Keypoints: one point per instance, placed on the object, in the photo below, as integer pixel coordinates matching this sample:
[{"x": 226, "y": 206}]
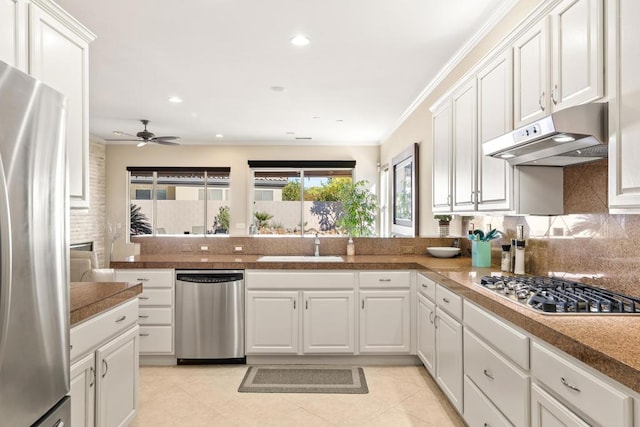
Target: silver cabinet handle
[
  {"x": 143, "y": 316},
  {"x": 120, "y": 319},
  {"x": 424, "y": 286},
  {"x": 306, "y": 305},
  {"x": 144, "y": 335},
  {"x": 431, "y": 320},
  {"x": 449, "y": 200},
  {"x": 143, "y": 297},
  {"x": 568, "y": 385},
  {"x": 92, "y": 372},
  {"x": 59, "y": 423},
  {"x": 384, "y": 280},
  {"x": 553, "y": 95},
  {"x": 142, "y": 280},
  {"x": 294, "y": 304},
  {"x": 487, "y": 425},
  {"x": 446, "y": 300},
  {"x": 105, "y": 368},
  {"x": 488, "y": 374},
  {"x": 363, "y": 303},
  {"x": 540, "y": 101}
]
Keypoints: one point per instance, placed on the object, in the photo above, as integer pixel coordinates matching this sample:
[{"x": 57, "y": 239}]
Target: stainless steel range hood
[{"x": 574, "y": 135}]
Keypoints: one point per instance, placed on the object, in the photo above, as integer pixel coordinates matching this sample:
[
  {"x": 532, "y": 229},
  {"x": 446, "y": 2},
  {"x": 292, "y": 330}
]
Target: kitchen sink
[{"x": 300, "y": 258}]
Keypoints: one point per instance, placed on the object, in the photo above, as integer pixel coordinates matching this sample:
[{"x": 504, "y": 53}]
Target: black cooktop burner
[{"x": 555, "y": 295}]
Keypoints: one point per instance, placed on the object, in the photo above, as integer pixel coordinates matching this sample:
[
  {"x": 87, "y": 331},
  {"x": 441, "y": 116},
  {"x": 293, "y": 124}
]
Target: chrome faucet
[{"x": 316, "y": 242}]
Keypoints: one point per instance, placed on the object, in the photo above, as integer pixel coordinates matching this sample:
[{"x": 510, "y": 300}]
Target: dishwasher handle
[{"x": 210, "y": 277}]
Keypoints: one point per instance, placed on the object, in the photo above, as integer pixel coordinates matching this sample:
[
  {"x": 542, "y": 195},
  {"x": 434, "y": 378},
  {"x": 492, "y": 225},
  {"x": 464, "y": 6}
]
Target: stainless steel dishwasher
[{"x": 210, "y": 316}]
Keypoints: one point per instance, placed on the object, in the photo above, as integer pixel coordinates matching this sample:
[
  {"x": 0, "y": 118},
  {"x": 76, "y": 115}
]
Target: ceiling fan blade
[
  {"x": 164, "y": 142},
  {"x": 166, "y": 138},
  {"x": 123, "y": 140}
]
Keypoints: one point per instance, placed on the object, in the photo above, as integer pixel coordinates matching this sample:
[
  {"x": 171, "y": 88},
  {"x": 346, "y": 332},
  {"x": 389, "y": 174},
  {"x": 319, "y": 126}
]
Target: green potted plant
[
  {"x": 359, "y": 209},
  {"x": 221, "y": 221},
  {"x": 138, "y": 221},
  {"x": 443, "y": 224},
  {"x": 262, "y": 219}
]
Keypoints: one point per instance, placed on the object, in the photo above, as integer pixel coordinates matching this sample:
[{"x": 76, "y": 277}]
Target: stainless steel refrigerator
[{"x": 34, "y": 306}]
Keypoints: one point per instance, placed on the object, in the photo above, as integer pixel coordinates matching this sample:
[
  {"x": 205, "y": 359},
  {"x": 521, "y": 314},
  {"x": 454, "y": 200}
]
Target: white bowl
[{"x": 443, "y": 251}]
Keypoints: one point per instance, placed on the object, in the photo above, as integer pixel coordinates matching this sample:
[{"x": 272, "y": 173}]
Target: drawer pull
[
  {"x": 143, "y": 316},
  {"x": 142, "y": 280},
  {"x": 144, "y": 335},
  {"x": 424, "y": 286},
  {"x": 92, "y": 372},
  {"x": 143, "y": 297},
  {"x": 487, "y": 425},
  {"x": 105, "y": 368},
  {"x": 384, "y": 280},
  {"x": 446, "y": 300},
  {"x": 570, "y": 386},
  {"x": 488, "y": 374},
  {"x": 431, "y": 319},
  {"x": 120, "y": 319}
]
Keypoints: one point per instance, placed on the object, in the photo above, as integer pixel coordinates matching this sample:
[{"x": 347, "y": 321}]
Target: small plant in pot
[
  {"x": 443, "y": 224},
  {"x": 221, "y": 221}
]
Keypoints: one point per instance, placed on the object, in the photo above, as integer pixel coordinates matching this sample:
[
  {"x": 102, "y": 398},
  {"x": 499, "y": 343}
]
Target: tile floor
[{"x": 207, "y": 396}]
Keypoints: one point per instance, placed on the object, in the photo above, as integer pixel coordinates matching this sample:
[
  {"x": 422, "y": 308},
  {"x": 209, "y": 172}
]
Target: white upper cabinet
[
  {"x": 59, "y": 57},
  {"x": 442, "y": 158},
  {"x": 11, "y": 33},
  {"x": 558, "y": 63},
  {"x": 495, "y": 118},
  {"x": 624, "y": 103},
  {"x": 531, "y": 75},
  {"x": 577, "y": 53},
  {"x": 465, "y": 144}
]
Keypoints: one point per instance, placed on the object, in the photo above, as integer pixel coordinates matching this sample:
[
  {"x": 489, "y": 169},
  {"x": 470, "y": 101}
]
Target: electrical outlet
[
  {"x": 238, "y": 249},
  {"x": 186, "y": 247},
  {"x": 204, "y": 248},
  {"x": 407, "y": 249}
]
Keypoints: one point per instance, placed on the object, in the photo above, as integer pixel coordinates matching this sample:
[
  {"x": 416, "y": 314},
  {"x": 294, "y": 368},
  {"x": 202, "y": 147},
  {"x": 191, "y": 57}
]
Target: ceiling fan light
[
  {"x": 300, "y": 40},
  {"x": 141, "y": 144}
]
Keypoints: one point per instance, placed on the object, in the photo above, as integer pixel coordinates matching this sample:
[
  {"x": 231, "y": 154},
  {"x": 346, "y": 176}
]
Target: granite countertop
[
  {"x": 606, "y": 343},
  {"x": 91, "y": 298}
]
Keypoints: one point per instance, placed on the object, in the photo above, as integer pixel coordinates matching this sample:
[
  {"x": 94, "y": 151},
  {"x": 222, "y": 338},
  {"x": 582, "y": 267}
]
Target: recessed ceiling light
[
  {"x": 303, "y": 137},
  {"x": 278, "y": 88},
  {"x": 219, "y": 135},
  {"x": 300, "y": 40},
  {"x": 175, "y": 99},
  {"x": 315, "y": 117},
  {"x": 564, "y": 138},
  {"x": 507, "y": 155},
  {"x": 291, "y": 133},
  {"x": 339, "y": 120},
  {"x": 117, "y": 132}
]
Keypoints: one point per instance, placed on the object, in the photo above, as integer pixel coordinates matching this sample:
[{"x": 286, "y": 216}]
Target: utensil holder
[{"x": 480, "y": 254}]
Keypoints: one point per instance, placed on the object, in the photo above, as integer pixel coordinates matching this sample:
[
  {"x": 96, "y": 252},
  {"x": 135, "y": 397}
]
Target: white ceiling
[{"x": 367, "y": 63}]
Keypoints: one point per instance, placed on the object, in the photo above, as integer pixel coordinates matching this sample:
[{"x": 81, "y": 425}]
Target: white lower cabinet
[
  {"x": 449, "y": 357},
  {"x": 480, "y": 411},
  {"x": 548, "y": 412},
  {"x": 104, "y": 368},
  {"x": 329, "y": 322},
  {"x": 427, "y": 333},
  {"x": 272, "y": 322},
  {"x": 385, "y": 321}
]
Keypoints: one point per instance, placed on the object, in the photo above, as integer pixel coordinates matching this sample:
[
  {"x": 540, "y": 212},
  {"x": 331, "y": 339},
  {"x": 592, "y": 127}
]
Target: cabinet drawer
[
  {"x": 478, "y": 410},
  {"x": 156, "y": 297},
  {"x": 156, "y": 339},
  {"x": 385, "y": 279},
  {"x": 427, "y": 287},
  {"x": 501, "y": 336},
  {"x": 296, "y": 280},
  {"x": 597, "y": 399},
  {"x": 500, "y": 381},
  {"x": 90, "y": 334},
  {"x": 149, "y": 278},
  {"x": 155, "y": 316},
  {"x": 449, "y": 301}
]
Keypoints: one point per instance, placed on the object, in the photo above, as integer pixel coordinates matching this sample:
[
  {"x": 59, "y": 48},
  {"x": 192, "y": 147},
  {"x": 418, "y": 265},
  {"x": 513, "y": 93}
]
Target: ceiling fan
[{"x": 145, "y": 137}]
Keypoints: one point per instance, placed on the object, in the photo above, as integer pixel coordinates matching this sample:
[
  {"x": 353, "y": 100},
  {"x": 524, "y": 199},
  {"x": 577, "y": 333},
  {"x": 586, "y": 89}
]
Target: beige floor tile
[{"x": 396, "y": 418}]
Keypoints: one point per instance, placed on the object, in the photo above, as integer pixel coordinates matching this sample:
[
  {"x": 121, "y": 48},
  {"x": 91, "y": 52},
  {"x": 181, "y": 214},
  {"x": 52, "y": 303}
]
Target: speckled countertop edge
[
  {"x": 88, "y": 299},
  {"x": 609, "y": 344}
]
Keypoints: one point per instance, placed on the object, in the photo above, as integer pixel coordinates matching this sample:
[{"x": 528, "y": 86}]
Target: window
[
  {"x": 179, "y": 200},
  {"x": 298, "y": 198}
]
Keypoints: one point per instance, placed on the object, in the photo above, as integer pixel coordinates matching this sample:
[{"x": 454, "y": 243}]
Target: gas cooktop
[{"x": 552, "y": 295}]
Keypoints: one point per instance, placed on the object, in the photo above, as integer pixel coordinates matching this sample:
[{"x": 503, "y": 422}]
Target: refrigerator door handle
[{"x": 5, "y": 262}]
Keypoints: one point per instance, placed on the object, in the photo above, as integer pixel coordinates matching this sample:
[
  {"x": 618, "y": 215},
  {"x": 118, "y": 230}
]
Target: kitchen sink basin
[{"x": 299, "y": 258}]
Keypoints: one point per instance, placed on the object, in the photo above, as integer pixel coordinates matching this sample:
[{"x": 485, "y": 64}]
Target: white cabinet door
[
  {"x": 12, "y": 33},
  {"x": 272, "y": 322},
  {"x": 329, "y": 321},
  {"x": 59, "y": 57},
  {"x": 623, "y": 69},
  {"x": 495, "y": 118},
  {"x": 385, "y": 321},
  {"x": 427, "y": 333},
  {"x": 548, "y": 412},
  {"x": 531, "y": 99},
  {"x": 82, "y": 391},
  {"x": 577, "y": 53},
  {"x": 442, "y": 159},
  {"x": 465, "y": 136},
  {"x": 449, "y": 357},
  {"x": 117, "y": 380}
]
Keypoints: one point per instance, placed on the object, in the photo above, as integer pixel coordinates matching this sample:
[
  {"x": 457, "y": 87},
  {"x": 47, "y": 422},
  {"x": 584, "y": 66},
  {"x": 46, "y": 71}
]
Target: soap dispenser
[{"x": 351, "y": 248}]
